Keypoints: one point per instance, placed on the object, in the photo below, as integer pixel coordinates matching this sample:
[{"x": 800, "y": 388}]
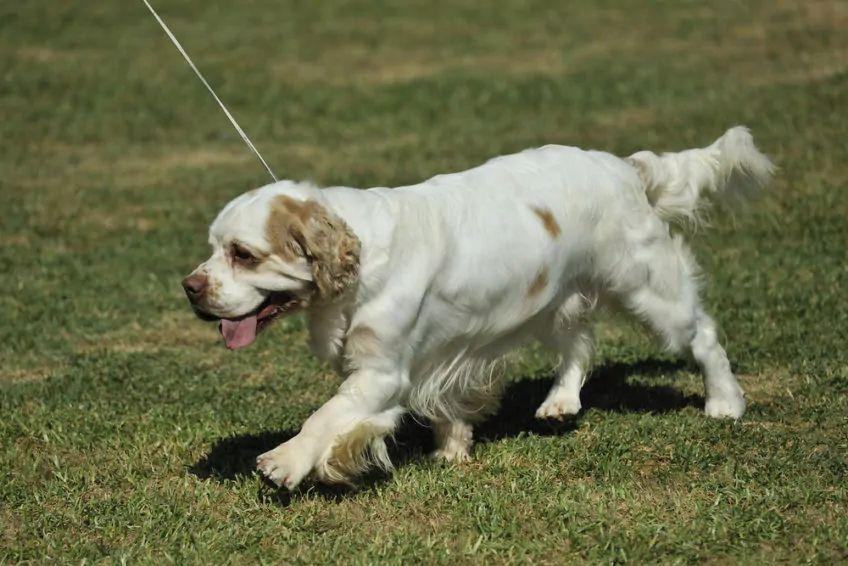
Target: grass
[{"x": 127, "y": 431}]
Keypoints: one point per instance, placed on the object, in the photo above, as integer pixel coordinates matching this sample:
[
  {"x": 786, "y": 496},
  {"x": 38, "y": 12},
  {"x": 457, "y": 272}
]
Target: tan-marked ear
[
  {"x": 332, "y": 250},
  {"x": 307, "y": 229}
]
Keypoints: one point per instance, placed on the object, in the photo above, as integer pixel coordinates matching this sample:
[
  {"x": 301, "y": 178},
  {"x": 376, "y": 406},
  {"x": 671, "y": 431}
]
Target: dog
[{"x": 415, "y": 294}]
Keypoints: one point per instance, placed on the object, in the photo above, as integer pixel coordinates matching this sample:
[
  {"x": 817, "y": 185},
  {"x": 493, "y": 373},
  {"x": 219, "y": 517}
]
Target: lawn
[{"x": 127, "y": 431}]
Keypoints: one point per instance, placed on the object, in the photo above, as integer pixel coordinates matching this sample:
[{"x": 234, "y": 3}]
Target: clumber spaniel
[{"x": 415, "y": 293}]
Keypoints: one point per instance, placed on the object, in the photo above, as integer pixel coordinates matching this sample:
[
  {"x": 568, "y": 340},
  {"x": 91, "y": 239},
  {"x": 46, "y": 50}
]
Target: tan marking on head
[
  {"x": 548, "y": 220},
  {"x": 305, "y": 229},
  {"x": 539, "y": 283},
  {"x": 286, "y": 219}
]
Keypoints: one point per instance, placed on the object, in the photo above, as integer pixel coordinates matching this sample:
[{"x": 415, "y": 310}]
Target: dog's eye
[{"x": 242, "y": 255}]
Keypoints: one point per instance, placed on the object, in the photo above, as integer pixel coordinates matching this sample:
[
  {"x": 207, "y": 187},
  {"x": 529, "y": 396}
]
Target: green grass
[{"x": 126, "y": 429}]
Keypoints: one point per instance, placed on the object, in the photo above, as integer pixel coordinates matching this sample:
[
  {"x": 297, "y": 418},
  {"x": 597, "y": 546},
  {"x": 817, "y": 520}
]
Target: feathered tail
[{"x": 677, "y": 183}]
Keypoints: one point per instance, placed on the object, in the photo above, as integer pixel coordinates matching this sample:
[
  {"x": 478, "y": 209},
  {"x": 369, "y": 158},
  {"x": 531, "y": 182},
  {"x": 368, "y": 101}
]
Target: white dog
[{"x": 415, "y": 293}]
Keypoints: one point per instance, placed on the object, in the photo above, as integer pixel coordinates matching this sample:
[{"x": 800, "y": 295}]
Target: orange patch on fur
[
  {"x": 361, "y": 342},
  {"x": 362, "y": 332},
  {"x": 287, "y": 220},
  {"x": 539, "y": 283},
  {"x": 548, "y": 221},
  {"x": 305, "y": 229}
]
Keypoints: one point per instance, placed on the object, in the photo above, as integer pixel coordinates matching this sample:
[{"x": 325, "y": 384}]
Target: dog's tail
[{"x": 677, "y": 183}]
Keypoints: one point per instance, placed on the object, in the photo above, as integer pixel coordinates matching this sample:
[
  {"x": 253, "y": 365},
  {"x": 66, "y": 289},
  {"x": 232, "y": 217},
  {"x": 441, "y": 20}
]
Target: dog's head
[{"x": 275, "y": 250}]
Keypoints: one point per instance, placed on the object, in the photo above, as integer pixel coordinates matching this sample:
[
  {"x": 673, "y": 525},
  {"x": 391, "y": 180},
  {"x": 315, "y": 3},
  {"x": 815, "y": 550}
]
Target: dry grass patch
[
  {"x": 189, "y": 158},
  {"x": 171, "y": 330},
  {"x": 10, "y": 528},
  {"x": 45, "y": 55},
  {"x": 770, "y": 387},
  {"x": 630, "y": 117},
  {"x": 139, "y": 164},
  {"x": 15, "y": 240},
  {"x": 28, "y": 368}
]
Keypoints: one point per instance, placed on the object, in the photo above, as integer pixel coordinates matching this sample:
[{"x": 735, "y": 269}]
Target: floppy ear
[{"x": 332, "y": 250}]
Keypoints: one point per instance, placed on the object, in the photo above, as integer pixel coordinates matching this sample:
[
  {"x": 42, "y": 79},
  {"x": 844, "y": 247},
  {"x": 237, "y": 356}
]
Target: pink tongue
[{"x": 238, "y": 333}]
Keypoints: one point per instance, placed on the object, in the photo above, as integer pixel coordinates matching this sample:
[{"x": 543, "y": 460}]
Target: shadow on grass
[{"x": 606, "y": 390}]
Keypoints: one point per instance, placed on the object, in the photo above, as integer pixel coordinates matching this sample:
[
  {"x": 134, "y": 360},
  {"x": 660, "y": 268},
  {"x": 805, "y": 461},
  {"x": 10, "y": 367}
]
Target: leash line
[{"x": 191, "y": 64}]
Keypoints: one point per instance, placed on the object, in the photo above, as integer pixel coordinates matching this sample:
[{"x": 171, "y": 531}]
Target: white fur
[
  {"x": 675, "y": 182},
  {"x": 448, "y": 283}
]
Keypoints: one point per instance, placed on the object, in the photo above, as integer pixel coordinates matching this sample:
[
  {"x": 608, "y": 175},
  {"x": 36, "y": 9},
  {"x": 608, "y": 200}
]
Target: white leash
[{"x": 209, "y": 88}]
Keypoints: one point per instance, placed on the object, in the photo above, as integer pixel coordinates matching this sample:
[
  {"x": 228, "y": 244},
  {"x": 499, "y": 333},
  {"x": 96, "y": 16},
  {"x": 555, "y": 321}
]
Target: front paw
[
  {"x": 284, "y": 465},
  {"x": 452, "y": 454},
  {"x": 558, "y": 408},
  {"x": 731, "y": 406}
]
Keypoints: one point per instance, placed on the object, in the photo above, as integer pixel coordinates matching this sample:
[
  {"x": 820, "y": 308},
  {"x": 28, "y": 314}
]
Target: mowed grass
[{"x": 127, "y": 431}]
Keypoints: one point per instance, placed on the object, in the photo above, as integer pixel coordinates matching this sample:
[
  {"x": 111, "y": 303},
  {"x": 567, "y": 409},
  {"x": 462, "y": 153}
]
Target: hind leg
[
  {"x": 725, "y": 397},
  {"x": 453, "y": 440},
  {"x": 453, "y": 430},
  {"x": 575, "y": 345},
  {"x": 668, "y": 299}
]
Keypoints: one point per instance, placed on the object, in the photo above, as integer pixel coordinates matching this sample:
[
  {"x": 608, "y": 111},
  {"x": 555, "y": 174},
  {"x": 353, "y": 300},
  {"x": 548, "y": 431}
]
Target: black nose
[{"x": 195, "y": 286}]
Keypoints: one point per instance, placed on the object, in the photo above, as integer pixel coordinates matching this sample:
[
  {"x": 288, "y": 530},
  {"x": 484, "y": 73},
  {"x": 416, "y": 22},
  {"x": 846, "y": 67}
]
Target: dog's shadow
[{"x": 606, "y": 390}]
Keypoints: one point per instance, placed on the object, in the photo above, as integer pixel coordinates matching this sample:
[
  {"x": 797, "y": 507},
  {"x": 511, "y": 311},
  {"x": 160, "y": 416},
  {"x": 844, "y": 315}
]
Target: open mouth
[{"x": 240, "y": 332}]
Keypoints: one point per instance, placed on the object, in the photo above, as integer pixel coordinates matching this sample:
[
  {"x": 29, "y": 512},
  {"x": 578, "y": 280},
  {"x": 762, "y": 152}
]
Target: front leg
[{"x": 344, "y": 437}]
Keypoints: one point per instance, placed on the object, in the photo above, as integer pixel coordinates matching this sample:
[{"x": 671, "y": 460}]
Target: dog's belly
[{"x": 462, "y": 378}]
